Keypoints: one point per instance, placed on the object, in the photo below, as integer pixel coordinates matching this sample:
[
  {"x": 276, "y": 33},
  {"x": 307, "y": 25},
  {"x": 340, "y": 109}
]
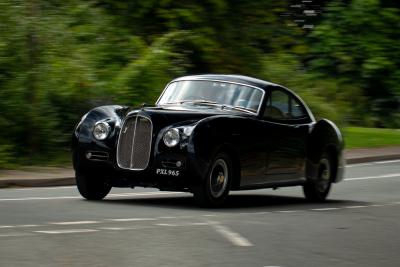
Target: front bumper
[{"x": 166, "y": 171}]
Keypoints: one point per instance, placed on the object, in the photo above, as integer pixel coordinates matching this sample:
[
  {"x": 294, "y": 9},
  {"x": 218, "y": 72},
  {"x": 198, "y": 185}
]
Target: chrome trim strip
[
  {"x": 222, "y": 81},
  {"x": 133, "y": 143},
  {"x": 151, "y": 140}
]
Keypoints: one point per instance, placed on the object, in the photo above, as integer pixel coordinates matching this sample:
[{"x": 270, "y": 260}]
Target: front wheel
[
  {"x": 214, "y": 189},
  {"x": 317, "y": 190},
  {"x": 92, "y": 187}
]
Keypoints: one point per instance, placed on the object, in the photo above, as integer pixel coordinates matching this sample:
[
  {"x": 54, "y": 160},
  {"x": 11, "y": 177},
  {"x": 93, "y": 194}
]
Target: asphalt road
[{"x": 358, "y": 226}]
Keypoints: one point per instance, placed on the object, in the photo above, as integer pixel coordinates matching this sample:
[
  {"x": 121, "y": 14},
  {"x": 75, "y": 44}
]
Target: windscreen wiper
[
  {"x": 239, "y": 108},
  {"x": 213, "y": 103},
  {"x": 198, "y": 101}
]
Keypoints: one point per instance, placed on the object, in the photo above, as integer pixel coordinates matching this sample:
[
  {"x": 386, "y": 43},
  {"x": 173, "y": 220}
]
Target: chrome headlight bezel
[
  {"x": 172, "y": 137},
  {"x": 101, "y": 130}
]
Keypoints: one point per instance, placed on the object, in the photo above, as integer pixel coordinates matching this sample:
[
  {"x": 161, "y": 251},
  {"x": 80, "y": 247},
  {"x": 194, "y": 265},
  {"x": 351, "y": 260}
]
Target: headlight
[
  {"x": 171, "y": 137},
  {"x": 101, "y": 130}
]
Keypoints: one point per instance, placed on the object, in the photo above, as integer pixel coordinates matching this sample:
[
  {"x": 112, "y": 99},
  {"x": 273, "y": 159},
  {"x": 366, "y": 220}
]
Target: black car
[{"x": 209, "y": 134}]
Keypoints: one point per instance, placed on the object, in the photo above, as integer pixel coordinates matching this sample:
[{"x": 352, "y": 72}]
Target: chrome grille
[{"x": 134, "y": 144}]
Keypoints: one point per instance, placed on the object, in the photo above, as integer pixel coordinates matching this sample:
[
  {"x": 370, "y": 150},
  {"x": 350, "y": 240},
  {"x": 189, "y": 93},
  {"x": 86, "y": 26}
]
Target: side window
[
  {"x": 277, "y": 106},
  {"x": 297, "y": 110},
  {"x": 282, "y": 106}
]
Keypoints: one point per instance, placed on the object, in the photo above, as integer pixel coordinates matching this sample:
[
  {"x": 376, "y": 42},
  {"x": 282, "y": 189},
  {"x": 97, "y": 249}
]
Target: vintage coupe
[{"x": 209, "y": 134}]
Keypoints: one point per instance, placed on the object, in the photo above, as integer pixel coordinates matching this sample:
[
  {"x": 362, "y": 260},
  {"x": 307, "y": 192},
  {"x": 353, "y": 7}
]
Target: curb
[
  {"x": 67, "y": 181},
  {"x": 372, "y": 158},
  {"x": 47, "y": 182}
]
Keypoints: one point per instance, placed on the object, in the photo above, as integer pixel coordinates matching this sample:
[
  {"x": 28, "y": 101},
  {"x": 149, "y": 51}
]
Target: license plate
[{"x": 167, "y": 172}]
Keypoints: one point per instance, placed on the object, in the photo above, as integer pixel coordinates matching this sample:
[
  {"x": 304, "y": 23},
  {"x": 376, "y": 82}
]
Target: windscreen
[{"x": 223, "y": 93}]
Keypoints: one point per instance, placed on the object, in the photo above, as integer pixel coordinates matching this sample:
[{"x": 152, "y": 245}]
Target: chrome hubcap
[{"x": 218, "y": 178}]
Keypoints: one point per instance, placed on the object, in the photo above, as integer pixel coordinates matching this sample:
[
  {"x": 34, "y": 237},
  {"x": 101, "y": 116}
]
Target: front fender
[
  {"x": 83, "y": 137},
  {"x": 214, "y": 134}
]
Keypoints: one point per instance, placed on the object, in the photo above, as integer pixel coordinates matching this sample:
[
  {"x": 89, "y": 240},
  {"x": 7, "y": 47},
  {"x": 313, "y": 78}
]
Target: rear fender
[{"x": 325, "y": 137}]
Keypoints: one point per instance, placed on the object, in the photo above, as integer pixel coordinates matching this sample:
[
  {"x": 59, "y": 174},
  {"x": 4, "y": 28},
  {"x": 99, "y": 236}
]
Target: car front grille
[{"x": 134, "y": 144}]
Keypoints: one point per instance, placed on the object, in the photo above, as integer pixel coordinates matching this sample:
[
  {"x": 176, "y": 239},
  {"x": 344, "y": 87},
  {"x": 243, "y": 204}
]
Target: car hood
[{"x": 163, "y": 116}]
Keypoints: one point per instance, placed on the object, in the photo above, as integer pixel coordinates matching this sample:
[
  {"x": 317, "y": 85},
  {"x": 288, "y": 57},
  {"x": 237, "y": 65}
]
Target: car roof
[
  {"x": 246, "y": 80},
  {"x": 230, "y": 78}
]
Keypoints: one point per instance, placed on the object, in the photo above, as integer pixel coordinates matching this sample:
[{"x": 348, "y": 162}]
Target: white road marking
[
  {"x": 28, "y": 225},
  {"x": 355, "y": 207},
  {"x": 15, "y": 235},
  {"x": 19, "y": 226},
  {"x": 73, "y": 222},
  {"x": 181, "y": 224},
  {"x": 198, "y": 223},
  {"x": 387, "y": 162},
  {"x": 144, "y": 194},
  {"x": 188, "y": 217},
  {"x": 41, "y": 188},
  {"x": 79, "y": 197},
  {"x": 287, "y": 211},
  {"x": 235, "y": 238},
  {"x": 167, "y": 224},
  {"x": 253, "y": 213},
  {"x": 66, "y": 231},
  {"x": 392, "y": 175},
  {"x": 372, "y": 163},
  {"x": 359, "y": 165},
  {"x": 132, "y": 219},
  {"x": 117, "y": 228},
  {"x": 325, "y": 209},
  {"x": 38, "y": 198}
]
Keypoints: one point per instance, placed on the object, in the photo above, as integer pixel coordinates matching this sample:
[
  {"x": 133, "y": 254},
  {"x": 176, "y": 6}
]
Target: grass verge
[{"x": 358, "y": 137}]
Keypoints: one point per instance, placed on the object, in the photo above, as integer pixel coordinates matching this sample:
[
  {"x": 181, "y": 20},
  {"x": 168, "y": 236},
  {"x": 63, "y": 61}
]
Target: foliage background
[{"x": 59, "y": 58}]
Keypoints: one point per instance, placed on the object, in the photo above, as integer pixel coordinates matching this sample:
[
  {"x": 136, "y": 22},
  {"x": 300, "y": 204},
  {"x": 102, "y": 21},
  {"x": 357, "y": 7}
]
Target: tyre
[
  {"x": 317, "y": 190},
  {"x": 92, "y": 187},
  {"x": 215, "y": 187}
]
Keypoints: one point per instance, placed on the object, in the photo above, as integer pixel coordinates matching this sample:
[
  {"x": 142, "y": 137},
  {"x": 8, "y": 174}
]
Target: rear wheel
[
  {"x": 318, "y": 189},
  {"x": 92, "y": 187},
  {"x": 215, "y": 187}
]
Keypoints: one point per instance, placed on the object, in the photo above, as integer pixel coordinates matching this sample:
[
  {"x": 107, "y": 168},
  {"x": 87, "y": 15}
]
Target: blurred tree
[
  {"x": 142, "y": 79},
  {"x": 34, "y": 38},
  {"x": 60, "y": 58},
  {"x": 327, "y": 98},
  {"x": 226, "y": 36},
  {"x": 359, "y": 43},
  {"x": 57, "y": 60}
]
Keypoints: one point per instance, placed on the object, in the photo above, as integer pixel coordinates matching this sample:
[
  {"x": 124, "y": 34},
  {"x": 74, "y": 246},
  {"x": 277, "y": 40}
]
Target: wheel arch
[
  {"x": 325, "y": 137},
  {"x": 214, "y": 135},
  {"x": 82, "y": 137}
]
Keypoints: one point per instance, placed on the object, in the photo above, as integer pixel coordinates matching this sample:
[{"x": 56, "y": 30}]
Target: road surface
[{"x": 358, "y": 226}]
